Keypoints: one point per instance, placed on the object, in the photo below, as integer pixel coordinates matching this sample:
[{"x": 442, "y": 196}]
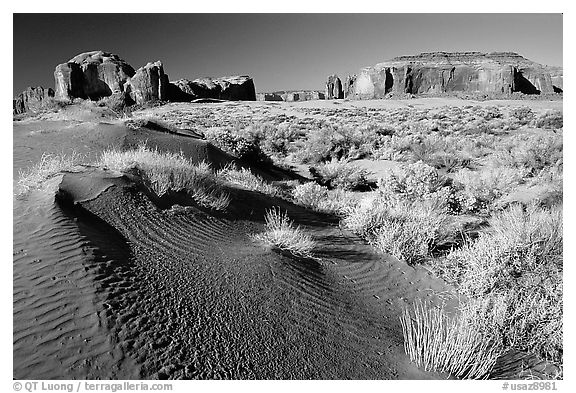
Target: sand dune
[{"x": 206, "y": 302}]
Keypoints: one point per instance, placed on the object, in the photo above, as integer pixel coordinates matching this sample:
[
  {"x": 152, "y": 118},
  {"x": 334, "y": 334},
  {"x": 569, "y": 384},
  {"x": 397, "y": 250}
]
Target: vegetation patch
[
  {"x": 281, "y": 233},
  {"x": 164, "y": 172},
  {"x": 464, "y": 346},
  {"x": 48, "y": 166}
]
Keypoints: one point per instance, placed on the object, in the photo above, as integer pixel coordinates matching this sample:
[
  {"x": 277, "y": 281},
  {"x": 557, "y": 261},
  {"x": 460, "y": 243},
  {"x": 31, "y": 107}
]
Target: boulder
[
  {"x": 442, "y": 72},
  {"x": 334, "y": 88},
  {"x": 232, "y": 88},
  {"x": 91, "y": 75},
  {"x": 149, "y": 83},
  {"x": 30, "y": 99}
]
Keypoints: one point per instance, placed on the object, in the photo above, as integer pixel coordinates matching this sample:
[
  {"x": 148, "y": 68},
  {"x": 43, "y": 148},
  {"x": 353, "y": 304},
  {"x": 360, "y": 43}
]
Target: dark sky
[{"x": 280, "y": 51}]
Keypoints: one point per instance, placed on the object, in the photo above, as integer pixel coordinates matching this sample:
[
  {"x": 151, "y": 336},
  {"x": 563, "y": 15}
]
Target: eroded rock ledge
[{"x": 443, "y": 72}]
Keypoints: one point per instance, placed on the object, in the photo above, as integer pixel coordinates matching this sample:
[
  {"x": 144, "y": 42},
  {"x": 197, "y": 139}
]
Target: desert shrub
[
  {"x": 322, "y": 199},
  {"x": 408, "y": 230},
  {"x": 479, "y": 189},
  {"x": 165, "y": 172},
  {"x": 465, "y": 346},
  {"x": 442, "y": 152},
  {"x": 274, "y": 140},
  {"x": 232, "y": 142},
  {"x": 551, "y": 120},
  {"x": 333, "y": 142},
  {"x": 245, "y": 178},
  {"x": 523, "y": 114},
  {"x": 281, "y": 233},
  {"x": 394, "y": 147},
  {"x": 533, "y": 152},
  {"x": 413, "y": 182},
  {"x": 517, "y": 263},
  {"x": 48, "y": 166},
  {"x": 341, "y": 174}
]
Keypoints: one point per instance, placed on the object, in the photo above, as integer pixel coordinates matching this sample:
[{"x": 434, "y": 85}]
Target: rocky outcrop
[
  {"x": 149, "y": 83},
  {"x": 91, "y": 75},
  {"x": 30, "y": 99},
  {"x": 232, "y": 88},
  {"x": 97, "y": 74},
  {"x": 349, "y": 85},
  {"x": 442, "y": 72},
  {"x": 557, "y": 77},
  {"x": 290, "y": 96},
  {"x": 334, "y": 88}
]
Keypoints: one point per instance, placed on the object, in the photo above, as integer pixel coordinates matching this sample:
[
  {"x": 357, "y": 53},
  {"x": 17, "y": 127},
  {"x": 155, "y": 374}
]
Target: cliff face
[
  {"x": 290, "y": 96},
  {"x": 97, "y": 74},
  {"x": 441, "y": 72},
  {"x": 30, "y": 99},
  {"x": 91, "y": 75}
]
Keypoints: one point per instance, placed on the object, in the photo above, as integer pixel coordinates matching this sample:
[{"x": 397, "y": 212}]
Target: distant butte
[{"x": 444, "y": 72}]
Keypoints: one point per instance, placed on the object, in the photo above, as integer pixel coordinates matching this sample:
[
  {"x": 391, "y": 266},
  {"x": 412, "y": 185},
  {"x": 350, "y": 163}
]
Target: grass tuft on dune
[
  {"x": 48, "y": 166},
  {"x": 245, "y": 178},
  {"x": 167, "y": 172},
  {"x": 281, "y": 233},
  {"x": 465, "y": 346}
]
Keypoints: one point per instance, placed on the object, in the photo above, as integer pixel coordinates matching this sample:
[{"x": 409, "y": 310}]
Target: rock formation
[
  {"x": 349, "y": 85},
  {"x": 149, "y": 83},
  {"x": 441, "y": 72},
  {"x": 91, "y": 75},
  {"x": 30, "y": 99},
  {"x": 290, "y": 96},
  {"x": 233, "y": 88},
  {"x": 557, "y": 76},
  {"x": 334, "y": 88},
  {"x": 97, "y": 74}
]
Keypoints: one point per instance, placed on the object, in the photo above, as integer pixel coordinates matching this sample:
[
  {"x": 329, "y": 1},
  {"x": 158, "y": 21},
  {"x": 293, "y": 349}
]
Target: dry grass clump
[
  {"x": 517, "y": 263},
  {"x": 465, "y": 346},
  {"x": 48, "y": 166},
  {"x": 281, "y": 233},
  {"x": 167, "y": 172},
  {"x": 245, "y": 178}
]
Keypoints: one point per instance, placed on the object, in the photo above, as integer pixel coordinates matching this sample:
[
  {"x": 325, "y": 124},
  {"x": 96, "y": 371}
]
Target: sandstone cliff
[
  {"x": 30, "y": 99},
  {"x": 97, "y": 74},
  {"x": 441, "y": 72},
  {"x": 334, "y": 88},
  {"x": 149, "y": 83}
]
